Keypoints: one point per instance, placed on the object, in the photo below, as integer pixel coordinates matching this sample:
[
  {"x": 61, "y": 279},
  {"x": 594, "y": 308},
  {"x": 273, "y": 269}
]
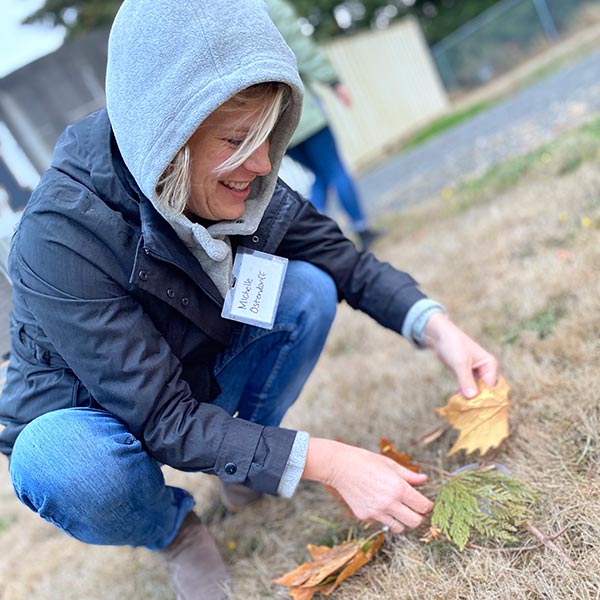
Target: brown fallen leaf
[
  {"x": 482, "y": 420},
  {"x": 318, "y": 552},
  {"x": 360, "y": 560},
  {"x": 298, "y": 593},
  {"x": 329, "y": 567},
  {"x": 402, "y": 458},
  {"x": 309, "y": 574}
]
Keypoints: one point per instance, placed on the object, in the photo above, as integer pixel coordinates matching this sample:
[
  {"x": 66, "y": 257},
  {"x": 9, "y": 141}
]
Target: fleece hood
[{"x": 171, "y": 63}]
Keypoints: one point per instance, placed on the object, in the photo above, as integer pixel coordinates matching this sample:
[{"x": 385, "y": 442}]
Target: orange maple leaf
[
  {"x": 312, "y": 573},
  {"x": 482, "y": 420},
  {"x": 299, "y": 593},
  {"x": 402, "y": 458},
  {"x": 360, "y": 559},
  {"x": 329, "y": 567}
]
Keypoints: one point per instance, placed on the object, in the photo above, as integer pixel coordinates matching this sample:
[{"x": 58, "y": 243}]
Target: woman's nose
[{"x": 259, "y": 162}]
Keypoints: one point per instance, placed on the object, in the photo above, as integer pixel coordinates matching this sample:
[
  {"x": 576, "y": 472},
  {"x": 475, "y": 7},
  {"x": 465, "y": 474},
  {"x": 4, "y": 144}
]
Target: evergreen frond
[{"x": 482, "y": 501}]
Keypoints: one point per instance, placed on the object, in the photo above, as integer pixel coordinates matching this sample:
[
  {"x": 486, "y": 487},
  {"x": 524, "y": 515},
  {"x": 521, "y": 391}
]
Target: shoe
[
  {"x": 367, "y": 237},
  {"x": 197, "y": 569},
  {"x": 236, "y": 497}
]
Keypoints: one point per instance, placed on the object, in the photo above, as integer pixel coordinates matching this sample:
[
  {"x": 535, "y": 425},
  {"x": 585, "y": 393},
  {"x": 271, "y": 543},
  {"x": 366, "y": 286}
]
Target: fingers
[
  {"x": 467, "y": 359},
  {"x": 421, "y": 503},
  {"x": 402, "y": 518},
  {"x": 489, "y": 372},
  {"x": 467, "y": 385},
  {"x": 486, "y": 369},
  {"x": 412, "y": 477},
  {"x": 479, "y": 363},
  {"x": 416, "y": 502},
  {"x": 376, "y": 488},
  {"x": 407, "y": 506},
  {"x": 394, "y": 525}
]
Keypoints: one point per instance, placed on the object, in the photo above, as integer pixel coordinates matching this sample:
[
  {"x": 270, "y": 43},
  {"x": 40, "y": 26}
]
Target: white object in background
[
  {"x": 16, "y": 160},
  {"x": 296, "y": 176}
]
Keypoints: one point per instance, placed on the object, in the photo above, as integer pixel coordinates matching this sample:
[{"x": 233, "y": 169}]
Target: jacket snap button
[
  {"x": 143, "y": 275},
  {"x": 230, "y": 468},
  {"x": 185, "y": 301},
  {"x": 170, "y": 293},
  {"x": 255, "y": 239}
]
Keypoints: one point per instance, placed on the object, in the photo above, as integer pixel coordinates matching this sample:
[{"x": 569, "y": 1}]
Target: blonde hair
[{"x": 173, "y": 187}]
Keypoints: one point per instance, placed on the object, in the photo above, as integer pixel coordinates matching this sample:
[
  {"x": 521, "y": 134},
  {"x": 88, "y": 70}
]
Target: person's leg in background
[
  {"x": 318, "y": 194},
  {"x": 319, "y": 153}
]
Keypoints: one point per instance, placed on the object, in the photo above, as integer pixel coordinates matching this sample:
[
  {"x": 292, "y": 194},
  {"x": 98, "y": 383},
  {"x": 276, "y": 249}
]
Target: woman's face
[{"x": 222, "y": 197}]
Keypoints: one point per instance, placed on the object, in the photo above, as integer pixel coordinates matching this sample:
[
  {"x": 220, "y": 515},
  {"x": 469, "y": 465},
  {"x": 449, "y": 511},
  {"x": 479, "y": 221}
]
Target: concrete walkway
[{"x": 515, "y": 126}]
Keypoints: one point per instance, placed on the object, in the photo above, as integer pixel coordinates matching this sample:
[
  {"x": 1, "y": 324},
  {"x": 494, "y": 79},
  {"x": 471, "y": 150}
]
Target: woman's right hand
[{"x": 375, "y": 487}]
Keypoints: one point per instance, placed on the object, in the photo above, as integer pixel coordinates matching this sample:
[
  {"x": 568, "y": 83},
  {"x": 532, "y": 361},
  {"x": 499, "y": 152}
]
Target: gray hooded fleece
[{"x": 170, "y": 65}]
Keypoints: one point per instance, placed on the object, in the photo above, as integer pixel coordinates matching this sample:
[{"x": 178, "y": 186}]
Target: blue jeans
[
  {"x": 81, "y": 469},
  {"x": 319, "y": 154}
]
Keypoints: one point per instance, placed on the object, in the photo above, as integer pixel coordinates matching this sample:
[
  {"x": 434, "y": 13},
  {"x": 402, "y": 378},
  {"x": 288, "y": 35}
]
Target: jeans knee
[
  {"x": 312, "y": 292},
  {"x": 78, "y": 465}
]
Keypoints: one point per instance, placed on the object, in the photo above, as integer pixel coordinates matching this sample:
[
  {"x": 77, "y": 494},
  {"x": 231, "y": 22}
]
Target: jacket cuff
[
  {"x": 413, "y": 328},
  {"x": 254, "y": 455},
  {"x": 294, "y": 466}
]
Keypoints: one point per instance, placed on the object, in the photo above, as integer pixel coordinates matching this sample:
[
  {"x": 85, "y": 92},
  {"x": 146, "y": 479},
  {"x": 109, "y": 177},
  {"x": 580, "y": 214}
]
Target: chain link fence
[{"x": 506, "y": 35}]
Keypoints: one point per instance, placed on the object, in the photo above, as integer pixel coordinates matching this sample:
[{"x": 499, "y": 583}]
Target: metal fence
[{"x": 505, "y": 35}]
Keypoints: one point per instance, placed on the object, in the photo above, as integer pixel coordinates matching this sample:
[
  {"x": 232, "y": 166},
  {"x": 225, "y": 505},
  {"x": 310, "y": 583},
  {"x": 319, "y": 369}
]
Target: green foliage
[
  {"x": 557, "y": 158},
  {"x": 444, "y": 123},
  {"x": 484, "y": 502},
  {"x": 543, "y": 323},
  {"x": 76, "y": 15},
  {"x": 438, "y": 18},
  {"x": 592, "y": 128},
  {"x": 6, "y": 523}
]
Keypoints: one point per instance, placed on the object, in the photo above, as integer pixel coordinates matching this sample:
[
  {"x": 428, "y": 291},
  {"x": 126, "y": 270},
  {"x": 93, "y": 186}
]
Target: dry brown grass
[{"x": 521, "y": 274}]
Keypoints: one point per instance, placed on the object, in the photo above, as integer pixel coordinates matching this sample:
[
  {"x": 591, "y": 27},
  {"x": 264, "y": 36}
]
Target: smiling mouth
[{"x": 237, "y": 186}]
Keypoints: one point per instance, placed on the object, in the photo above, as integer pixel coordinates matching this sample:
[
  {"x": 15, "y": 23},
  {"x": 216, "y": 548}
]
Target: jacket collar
[
  {"x": 158, "y": 237},
  {"x": 161, "y": 242}
]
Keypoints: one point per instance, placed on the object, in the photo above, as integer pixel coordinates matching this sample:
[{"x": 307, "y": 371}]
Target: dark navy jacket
[{"x": 111, "y": 310}]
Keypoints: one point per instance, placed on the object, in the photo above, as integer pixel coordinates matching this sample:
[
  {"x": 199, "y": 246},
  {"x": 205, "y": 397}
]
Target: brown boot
[
  {"x": 197, "y": 569},
  {"x": 235, "y": 497}
]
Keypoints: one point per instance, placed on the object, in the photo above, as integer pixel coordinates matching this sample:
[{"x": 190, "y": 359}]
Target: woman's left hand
[{"x": 457, "y": 351}]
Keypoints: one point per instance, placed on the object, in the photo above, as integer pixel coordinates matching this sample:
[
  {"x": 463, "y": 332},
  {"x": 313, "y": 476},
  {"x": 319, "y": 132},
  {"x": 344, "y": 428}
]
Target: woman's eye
[{"x": 233, "y": 142}]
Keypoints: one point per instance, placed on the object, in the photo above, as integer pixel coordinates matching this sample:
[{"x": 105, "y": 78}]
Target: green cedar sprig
[{"x": 483, "y": 501}]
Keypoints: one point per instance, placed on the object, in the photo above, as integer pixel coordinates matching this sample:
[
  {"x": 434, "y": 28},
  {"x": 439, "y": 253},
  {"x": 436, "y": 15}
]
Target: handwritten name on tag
[{"x": 254, "y": 298}]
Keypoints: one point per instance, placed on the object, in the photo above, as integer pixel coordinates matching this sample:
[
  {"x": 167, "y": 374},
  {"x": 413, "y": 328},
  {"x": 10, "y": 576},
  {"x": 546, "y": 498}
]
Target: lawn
[{"x": 515, "y": 256}]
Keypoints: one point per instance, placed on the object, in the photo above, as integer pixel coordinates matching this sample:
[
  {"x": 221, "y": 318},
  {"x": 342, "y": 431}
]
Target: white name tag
[{"x": 254, "y": 297}]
